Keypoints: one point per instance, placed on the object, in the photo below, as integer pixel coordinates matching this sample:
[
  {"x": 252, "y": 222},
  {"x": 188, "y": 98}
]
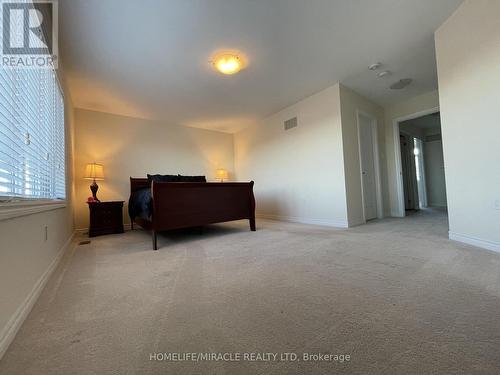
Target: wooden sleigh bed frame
[{"x": 191, "y": 204}]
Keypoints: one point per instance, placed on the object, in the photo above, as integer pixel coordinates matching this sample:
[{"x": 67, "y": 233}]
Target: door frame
[
  {"x": 376, "y": 163},
  {"x": 400, "y": 198}
]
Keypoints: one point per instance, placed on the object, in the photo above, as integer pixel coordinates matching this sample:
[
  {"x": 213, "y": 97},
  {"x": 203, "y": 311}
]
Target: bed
[{"x": 161, "y": 206}]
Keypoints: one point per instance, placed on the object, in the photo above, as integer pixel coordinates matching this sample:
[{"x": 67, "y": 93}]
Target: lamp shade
[
  {"x": 221, "y": 174},
  {"x": 94, "y": 171}
]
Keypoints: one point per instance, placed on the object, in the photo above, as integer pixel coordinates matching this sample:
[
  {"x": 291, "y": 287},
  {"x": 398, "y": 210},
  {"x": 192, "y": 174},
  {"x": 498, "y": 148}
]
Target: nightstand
[{"x": 105, "y": 218}]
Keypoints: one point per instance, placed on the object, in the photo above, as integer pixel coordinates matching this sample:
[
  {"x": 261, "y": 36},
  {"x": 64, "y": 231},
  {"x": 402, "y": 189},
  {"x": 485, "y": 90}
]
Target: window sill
[{"x": 10, "y": 210}]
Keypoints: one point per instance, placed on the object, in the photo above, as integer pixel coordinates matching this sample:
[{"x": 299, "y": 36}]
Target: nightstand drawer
[{"x": 105, "y": 218}]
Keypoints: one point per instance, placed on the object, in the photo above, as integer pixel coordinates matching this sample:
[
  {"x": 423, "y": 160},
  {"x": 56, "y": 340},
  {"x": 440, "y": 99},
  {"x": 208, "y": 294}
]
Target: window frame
[{"x": 12, "y": 207}]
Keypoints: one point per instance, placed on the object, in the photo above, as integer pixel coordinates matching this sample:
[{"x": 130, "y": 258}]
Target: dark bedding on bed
[{"x": 140, "y": 204}]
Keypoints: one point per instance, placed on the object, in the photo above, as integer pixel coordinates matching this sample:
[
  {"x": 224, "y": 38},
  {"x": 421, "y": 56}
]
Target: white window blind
[{"x": 32, "y": 152}]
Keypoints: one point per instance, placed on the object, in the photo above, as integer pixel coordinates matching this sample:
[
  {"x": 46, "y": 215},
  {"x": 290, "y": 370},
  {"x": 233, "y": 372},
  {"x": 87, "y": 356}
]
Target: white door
[{"x": 366, "y": 153}]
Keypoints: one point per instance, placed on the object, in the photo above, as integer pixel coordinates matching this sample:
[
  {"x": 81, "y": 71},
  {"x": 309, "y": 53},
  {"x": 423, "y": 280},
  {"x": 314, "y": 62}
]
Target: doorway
[
  {"x": 369, "y": 166},
  {"x": 409, "y": 171},
  {"x": 419, "y": 162}
]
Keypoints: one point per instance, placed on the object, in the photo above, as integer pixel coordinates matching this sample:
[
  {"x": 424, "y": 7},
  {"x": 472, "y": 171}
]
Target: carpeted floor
[{"x": 395, "y": 295}]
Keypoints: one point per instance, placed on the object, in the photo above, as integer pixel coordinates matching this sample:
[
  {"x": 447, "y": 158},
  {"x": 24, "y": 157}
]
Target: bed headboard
[{"x": 138, "y": 183}]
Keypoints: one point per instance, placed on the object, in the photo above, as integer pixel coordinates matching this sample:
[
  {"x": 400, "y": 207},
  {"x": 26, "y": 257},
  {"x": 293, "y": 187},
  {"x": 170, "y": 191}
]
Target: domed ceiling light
[{"x": 228, "y": 62}]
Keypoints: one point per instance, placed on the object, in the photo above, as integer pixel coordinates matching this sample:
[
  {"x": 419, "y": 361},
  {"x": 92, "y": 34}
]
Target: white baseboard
[
  {"x": 9, "y": 332},
  {"x": 485, "y": 244},
  {"x": 301, "y": 220}
]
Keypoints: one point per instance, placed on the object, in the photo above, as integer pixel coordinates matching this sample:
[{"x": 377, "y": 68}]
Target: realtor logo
[{"x": 29, "y": 34}]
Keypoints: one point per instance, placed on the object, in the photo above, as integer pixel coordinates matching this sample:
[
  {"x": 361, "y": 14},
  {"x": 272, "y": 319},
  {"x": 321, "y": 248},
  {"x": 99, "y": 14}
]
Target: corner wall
[
  {"x": 298, "y": 173},
  {"x": 468, "y": 61}
]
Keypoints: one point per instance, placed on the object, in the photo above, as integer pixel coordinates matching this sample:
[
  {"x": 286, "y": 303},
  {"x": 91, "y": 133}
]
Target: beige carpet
[{"x": 395, "y": 295}]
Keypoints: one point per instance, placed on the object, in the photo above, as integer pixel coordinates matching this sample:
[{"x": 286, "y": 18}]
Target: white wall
[
  {"x": 350, "y": 103},
  {"x": 26, "y": 258},
  {"x": 132, "y": 147},
  {"x": 468, "y": 62},
  {"x": 417, "y": 104},
  {"x": 299, "y": 173},
  {"x": 434, "y": 173}
]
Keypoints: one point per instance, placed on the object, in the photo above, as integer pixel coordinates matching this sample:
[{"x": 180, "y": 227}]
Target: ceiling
[{"x": 150, "y": 58}]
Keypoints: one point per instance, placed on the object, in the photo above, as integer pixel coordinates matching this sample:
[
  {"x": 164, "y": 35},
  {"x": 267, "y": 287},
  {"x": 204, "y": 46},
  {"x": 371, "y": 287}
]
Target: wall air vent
[{"x": 290, "y": 124}]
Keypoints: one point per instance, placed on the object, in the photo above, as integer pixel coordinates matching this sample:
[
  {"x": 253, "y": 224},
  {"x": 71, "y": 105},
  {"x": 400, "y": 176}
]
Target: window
[{"x": 32, "y": 154}]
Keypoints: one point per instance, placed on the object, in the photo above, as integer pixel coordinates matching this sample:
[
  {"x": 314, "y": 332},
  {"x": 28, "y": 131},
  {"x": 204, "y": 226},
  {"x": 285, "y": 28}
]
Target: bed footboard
[{"x": 190, "y": 204}]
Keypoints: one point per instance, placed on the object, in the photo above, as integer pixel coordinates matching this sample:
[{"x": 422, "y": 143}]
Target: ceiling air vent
[
  {"x": 401, "y": 84},
  {"x": 290, "y": 124}
]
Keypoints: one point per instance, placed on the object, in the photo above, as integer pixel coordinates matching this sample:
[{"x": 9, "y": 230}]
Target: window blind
[{"x": 32, "y": 142}]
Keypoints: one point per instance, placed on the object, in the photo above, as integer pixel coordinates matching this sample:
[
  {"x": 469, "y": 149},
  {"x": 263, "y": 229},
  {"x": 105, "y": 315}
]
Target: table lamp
[
  {"x": 221, "y": 174},
  {"x": 94, "y": 172}
]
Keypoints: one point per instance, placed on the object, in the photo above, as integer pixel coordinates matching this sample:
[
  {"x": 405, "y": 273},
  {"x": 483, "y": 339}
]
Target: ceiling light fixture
[
  {"x": 375, "y": 66},
  {"x": 401, "y": 84},
  {"x": 228, "y": 63}
]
